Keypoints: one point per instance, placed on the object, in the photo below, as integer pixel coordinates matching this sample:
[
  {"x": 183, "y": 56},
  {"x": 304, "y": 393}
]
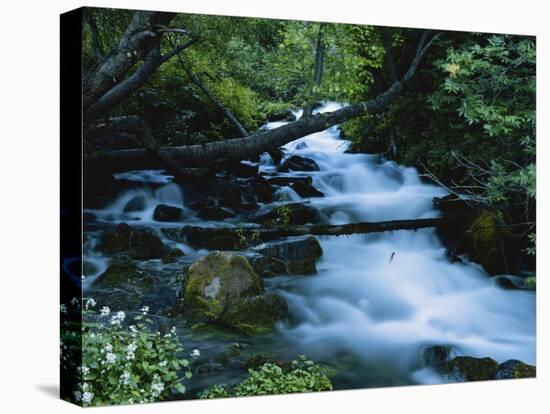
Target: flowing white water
[
  {"x": 382, "y": 297},
  {"x": 377, "y": 299}
]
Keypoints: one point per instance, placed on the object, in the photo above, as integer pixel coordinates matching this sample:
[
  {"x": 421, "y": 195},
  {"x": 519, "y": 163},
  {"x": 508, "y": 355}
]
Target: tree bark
[
  {"x": 140, "y": 35},
  {"x": 249, "y": 147},
  {"x": 204, "y": 236}
]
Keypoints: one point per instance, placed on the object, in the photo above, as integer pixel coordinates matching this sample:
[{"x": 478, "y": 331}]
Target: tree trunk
[
  {"x": 140, "y": 35},
  {"x": 206, "y": 236},
  {"x": 249, "y": 147}
]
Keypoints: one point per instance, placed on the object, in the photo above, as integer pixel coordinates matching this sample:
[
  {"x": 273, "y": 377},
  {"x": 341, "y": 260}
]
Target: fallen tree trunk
[
  {"x": 241, "y": 237},
  {"x": 248, "y": 147}
]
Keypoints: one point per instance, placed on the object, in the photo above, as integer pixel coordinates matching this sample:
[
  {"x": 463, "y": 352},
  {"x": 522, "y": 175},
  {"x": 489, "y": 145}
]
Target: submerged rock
[
  {"x": 464, "y": 368},
  {"x": 436, "y": 356},
  {"x": 304, "y": 189},
  {"x": 164, "y": 212},
  {"x": 291, "y": 213},
  {"x": 137, "y": 203},
  {"x": 514, "y": 369},
  {"x": 299, "y": 163},
  {"x": 295, "y": 257}
]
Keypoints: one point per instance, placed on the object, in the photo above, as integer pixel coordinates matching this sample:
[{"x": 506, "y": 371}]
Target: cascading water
[
  {"x": 382, "y": 297},
  {"x": 378, "y": 299}
]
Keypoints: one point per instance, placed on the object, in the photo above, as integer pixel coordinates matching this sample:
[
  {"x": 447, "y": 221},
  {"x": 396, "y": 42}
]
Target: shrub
[
  {"x": 303, "y": 376},
  {"x": 125, "y": 363}
]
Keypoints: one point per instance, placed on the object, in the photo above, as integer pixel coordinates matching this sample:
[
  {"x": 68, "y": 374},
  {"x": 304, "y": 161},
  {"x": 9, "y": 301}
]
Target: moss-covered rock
[
  {"x": 464, "y": 368},
  {"x": 488, "y": 243},
  {"x": 117, "y": 274},
  {"x": 514, "y": 369},
  {"x": 217, "y": 281},
  {"x": 257, "y": 314},
  {"x": 295, "y": 257}
]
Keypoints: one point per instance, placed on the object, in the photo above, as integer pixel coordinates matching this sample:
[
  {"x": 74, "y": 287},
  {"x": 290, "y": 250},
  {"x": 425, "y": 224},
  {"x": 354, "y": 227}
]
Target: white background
[{"x": 29, "y": 191}]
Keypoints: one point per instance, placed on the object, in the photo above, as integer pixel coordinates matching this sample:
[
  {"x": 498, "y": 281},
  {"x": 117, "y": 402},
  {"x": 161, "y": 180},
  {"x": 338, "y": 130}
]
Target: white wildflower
[
  {"x": 125, "y": 378},
  {"x": 110, "y": 358},
  {"x": 105, "y": 311},
  {"x": 87, "y": 397},
  {"x": 75, "y": 302},
  {"x": 63, "y": 308},
  {"x": 163, "y": 363},
  {"x": 133, "y": 328},
  {"x": 118, "y": 318},
  {"x": 90, "y": 303},
  {"x": 145, "y": 310},
  {"x": 195, "y": 353}
]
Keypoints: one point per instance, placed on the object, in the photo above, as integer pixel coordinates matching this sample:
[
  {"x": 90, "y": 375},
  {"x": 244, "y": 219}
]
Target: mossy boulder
[
  {"x": 464, "y": 368},
  {"x": 218, "y": 281},
  {"x": 295, "y": 257},
  {"x": 257, "y": 314},
  {"x": 514, "y": 369}
]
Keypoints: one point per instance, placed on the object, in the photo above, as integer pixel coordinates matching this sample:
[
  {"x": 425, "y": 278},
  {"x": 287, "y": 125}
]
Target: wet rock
[
  {"x": 284, "y": 181},
  {"x": 138, "y": 203},
  {"x": 514, "y": 369},
  {"x": 215, "y": 213},
  {"x": 241, "y": 170},
  {"x": 306, "y": 190},
  {"x": 209, "y": 368},
  {"x": 172, "y": 255},
  {"x": 115, "y": 240},
  {"x": 145, "y": 245},
  {"x": 464, "y": 368},
  {"x": 281, "y": 115},
  {"x": 299, "y": 163},
  {"x": 291, "y": 213},
  {"x": 436, "y": 356},
  {"x": 217, "y": 281},
  {"x": 140, "y": 244},
  {"x": 295, "y": 257},
  {"x": 117, "y": 274},
  {"x": 257, "y": 314},
  {"x": 302, "y": 145},
  {"x": 164, "y": 212}
]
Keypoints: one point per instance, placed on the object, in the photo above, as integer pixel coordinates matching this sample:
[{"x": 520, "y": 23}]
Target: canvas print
[{"x": 254, "y": 206}]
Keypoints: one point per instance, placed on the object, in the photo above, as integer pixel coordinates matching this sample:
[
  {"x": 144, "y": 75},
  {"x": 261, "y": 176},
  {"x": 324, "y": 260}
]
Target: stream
[{"x": 378, "y": 299}]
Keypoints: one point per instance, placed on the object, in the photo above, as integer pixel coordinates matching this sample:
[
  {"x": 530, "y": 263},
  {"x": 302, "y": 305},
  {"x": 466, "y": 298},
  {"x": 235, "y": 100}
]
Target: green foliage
[
  {"x": 125, "y": 363},
  {"x": 302, "y": 376}
]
